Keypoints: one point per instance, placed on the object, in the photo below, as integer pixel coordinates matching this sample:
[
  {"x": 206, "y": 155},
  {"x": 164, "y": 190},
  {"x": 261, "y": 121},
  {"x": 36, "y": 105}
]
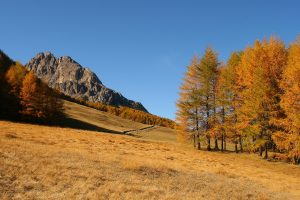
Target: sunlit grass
[{"x": 40, "y": 162}]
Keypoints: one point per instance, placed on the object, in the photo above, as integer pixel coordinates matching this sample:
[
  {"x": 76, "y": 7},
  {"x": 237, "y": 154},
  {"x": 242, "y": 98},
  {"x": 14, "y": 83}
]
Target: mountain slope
[
  {"x": 111, "y": 123},
  {"x": 83, "y": 117},
  {"x": 76, "y": 81}
]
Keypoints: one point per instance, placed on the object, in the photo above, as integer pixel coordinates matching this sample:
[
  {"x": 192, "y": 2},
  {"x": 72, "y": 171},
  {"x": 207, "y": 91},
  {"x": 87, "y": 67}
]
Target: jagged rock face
[{"x": 76, "y": 81}]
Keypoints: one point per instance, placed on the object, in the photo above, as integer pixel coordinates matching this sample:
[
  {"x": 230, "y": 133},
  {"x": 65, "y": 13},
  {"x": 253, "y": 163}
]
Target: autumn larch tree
[
  {"x": 197, "y": 103},
  {"x": 38, "y": 100},
  {"x": 188, "y": 113},
  {"x": 30, "y": 98},
  {"x": 259, "y": 74},
  {"x": 227, "y": 96},
  {"x": 207, "y": 93},
  {"x": 288, "y": 138}
]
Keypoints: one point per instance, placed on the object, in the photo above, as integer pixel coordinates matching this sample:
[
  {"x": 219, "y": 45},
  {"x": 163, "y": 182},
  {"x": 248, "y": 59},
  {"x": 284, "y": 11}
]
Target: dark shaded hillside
[
  {"x": 23, "y": 96},
  {"x": 5, "y": 62},
  {"x": 7, "y": 103}
]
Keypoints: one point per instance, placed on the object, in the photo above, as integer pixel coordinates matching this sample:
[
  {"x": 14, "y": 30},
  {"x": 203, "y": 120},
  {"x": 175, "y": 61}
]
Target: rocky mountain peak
[{"x": 76, "y": 81}]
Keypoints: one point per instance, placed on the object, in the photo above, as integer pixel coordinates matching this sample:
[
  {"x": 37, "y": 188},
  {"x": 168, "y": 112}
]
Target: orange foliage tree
[
  {"x": 197, "y": 103},
  {"x": 38, "y": 100},
  {"x": 288, "y": 138},
  {"x": 227, "y": 100},
  {"x": 188, "y": 112},
  {"x": 259, "y": 74},
  {"x": 253, "y": 100}
]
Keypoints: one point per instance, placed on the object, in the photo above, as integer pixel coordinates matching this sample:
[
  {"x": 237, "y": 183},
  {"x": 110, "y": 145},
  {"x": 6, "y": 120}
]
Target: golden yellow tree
[
  {"x": 29, "y": 96},
  {"x": 38, "y": 100},
  {"x": 207, "y": 95},
  {"x": 197, "y": 103},
  {"x": 259, "y": 74},
  {"x": 14, "y": 77},
  {"x": 227, "y": 96},
  {"x": 289, "y": 137},
  {"x": 188, "y": 115}
]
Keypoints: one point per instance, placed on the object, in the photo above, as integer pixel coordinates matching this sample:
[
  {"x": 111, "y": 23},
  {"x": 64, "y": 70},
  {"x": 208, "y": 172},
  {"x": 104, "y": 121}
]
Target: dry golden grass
[
  {"x": 157, "y": 133},
  {"x": 40, "y": 162}
]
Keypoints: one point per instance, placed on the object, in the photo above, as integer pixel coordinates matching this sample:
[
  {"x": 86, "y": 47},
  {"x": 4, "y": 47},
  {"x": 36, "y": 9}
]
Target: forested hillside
[{"x": 252, "y": 101}]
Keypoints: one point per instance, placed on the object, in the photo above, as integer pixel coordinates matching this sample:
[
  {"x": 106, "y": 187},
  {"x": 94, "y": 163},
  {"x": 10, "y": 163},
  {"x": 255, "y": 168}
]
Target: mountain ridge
[{"x": 76, "y": 81}]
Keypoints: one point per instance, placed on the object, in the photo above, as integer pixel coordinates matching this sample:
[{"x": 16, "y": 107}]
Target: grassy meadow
[{"x": 41, "y": 162}]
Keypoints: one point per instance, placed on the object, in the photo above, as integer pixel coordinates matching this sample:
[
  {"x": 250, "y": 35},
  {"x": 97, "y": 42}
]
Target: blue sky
[{"x": 141, "y": 48}]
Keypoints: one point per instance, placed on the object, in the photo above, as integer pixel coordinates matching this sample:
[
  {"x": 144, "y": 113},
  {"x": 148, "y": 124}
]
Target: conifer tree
[
  {"x": 14, "y": 77},
  {"x": 197, "y": 103},
  {"x": 188, "y": 115},
  {"x": 38, "y": 100},
  {"x": 227, "y": 95},
  {"x": 207, "y": 93},
  {"x": 288, "y": 138},
  {"x": 259, "y": 74},
  {"x": 30, "y": 98}
]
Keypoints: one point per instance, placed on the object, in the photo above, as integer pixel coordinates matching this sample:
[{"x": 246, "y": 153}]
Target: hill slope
[
  {"x": 98, "y": 118},
  {"x": 60, "y": 163},
  {"x": 76, "y": 81},
  {"x": 83, "y": 117}
]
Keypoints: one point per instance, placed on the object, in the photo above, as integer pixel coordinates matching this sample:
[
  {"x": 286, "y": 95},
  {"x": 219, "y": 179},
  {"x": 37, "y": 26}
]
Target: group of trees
[
  {"x": 129, "y": 113},
  {"x": 23, "y": 95},
  {"x": 252, "y": 101}
]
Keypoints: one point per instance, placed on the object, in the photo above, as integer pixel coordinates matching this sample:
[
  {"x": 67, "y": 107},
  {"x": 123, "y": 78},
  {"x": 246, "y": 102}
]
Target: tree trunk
[
  {"x": 198, "y": 141},
  {"x": 266, "y": 151},
  {"x": 222, "y": 143},
  {"x": 225, "y": 143},
  {"x": 260, "y": 150},
  {"x": 235, "y": 146},
  {"x": 208, "y": 143},
  {"x": 296, "y": 160},
  {"x": 241, "y": 144},
  {"x": 215, "y": 118},
  {"x": 197, "y": 128},
  {"x": 216, "y": 144},
  {"x": 274, "y": 147},
  {"x": 207, "y": 124},
  {"x": 194, "y": 139}
]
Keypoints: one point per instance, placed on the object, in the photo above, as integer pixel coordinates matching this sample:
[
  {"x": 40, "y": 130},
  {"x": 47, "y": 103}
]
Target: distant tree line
[
  {"x": 25, "y": 97},
  {"x": 252, "y": 101}
]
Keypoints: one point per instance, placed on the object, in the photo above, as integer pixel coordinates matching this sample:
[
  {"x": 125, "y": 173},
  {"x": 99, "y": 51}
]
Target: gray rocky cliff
[{"x": 76, "y": 81}]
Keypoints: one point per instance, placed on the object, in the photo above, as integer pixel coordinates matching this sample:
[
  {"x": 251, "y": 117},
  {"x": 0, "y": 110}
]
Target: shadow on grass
[
  {"x": 67, "y": 122},
  {"x": 61, "y": 121}
]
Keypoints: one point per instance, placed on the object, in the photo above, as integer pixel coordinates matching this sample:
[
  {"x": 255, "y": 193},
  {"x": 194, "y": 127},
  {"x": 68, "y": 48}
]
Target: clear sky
[{"x": 141, "y": 48}]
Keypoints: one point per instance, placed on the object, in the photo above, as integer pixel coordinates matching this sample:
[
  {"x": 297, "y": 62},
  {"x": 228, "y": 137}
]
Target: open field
[{"x": 40, "y": 162}]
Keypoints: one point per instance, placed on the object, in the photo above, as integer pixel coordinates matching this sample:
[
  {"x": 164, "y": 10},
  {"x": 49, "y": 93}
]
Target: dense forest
[
  {"x": 252, "y": 101},
  {"x": 25, "y": 97}
]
